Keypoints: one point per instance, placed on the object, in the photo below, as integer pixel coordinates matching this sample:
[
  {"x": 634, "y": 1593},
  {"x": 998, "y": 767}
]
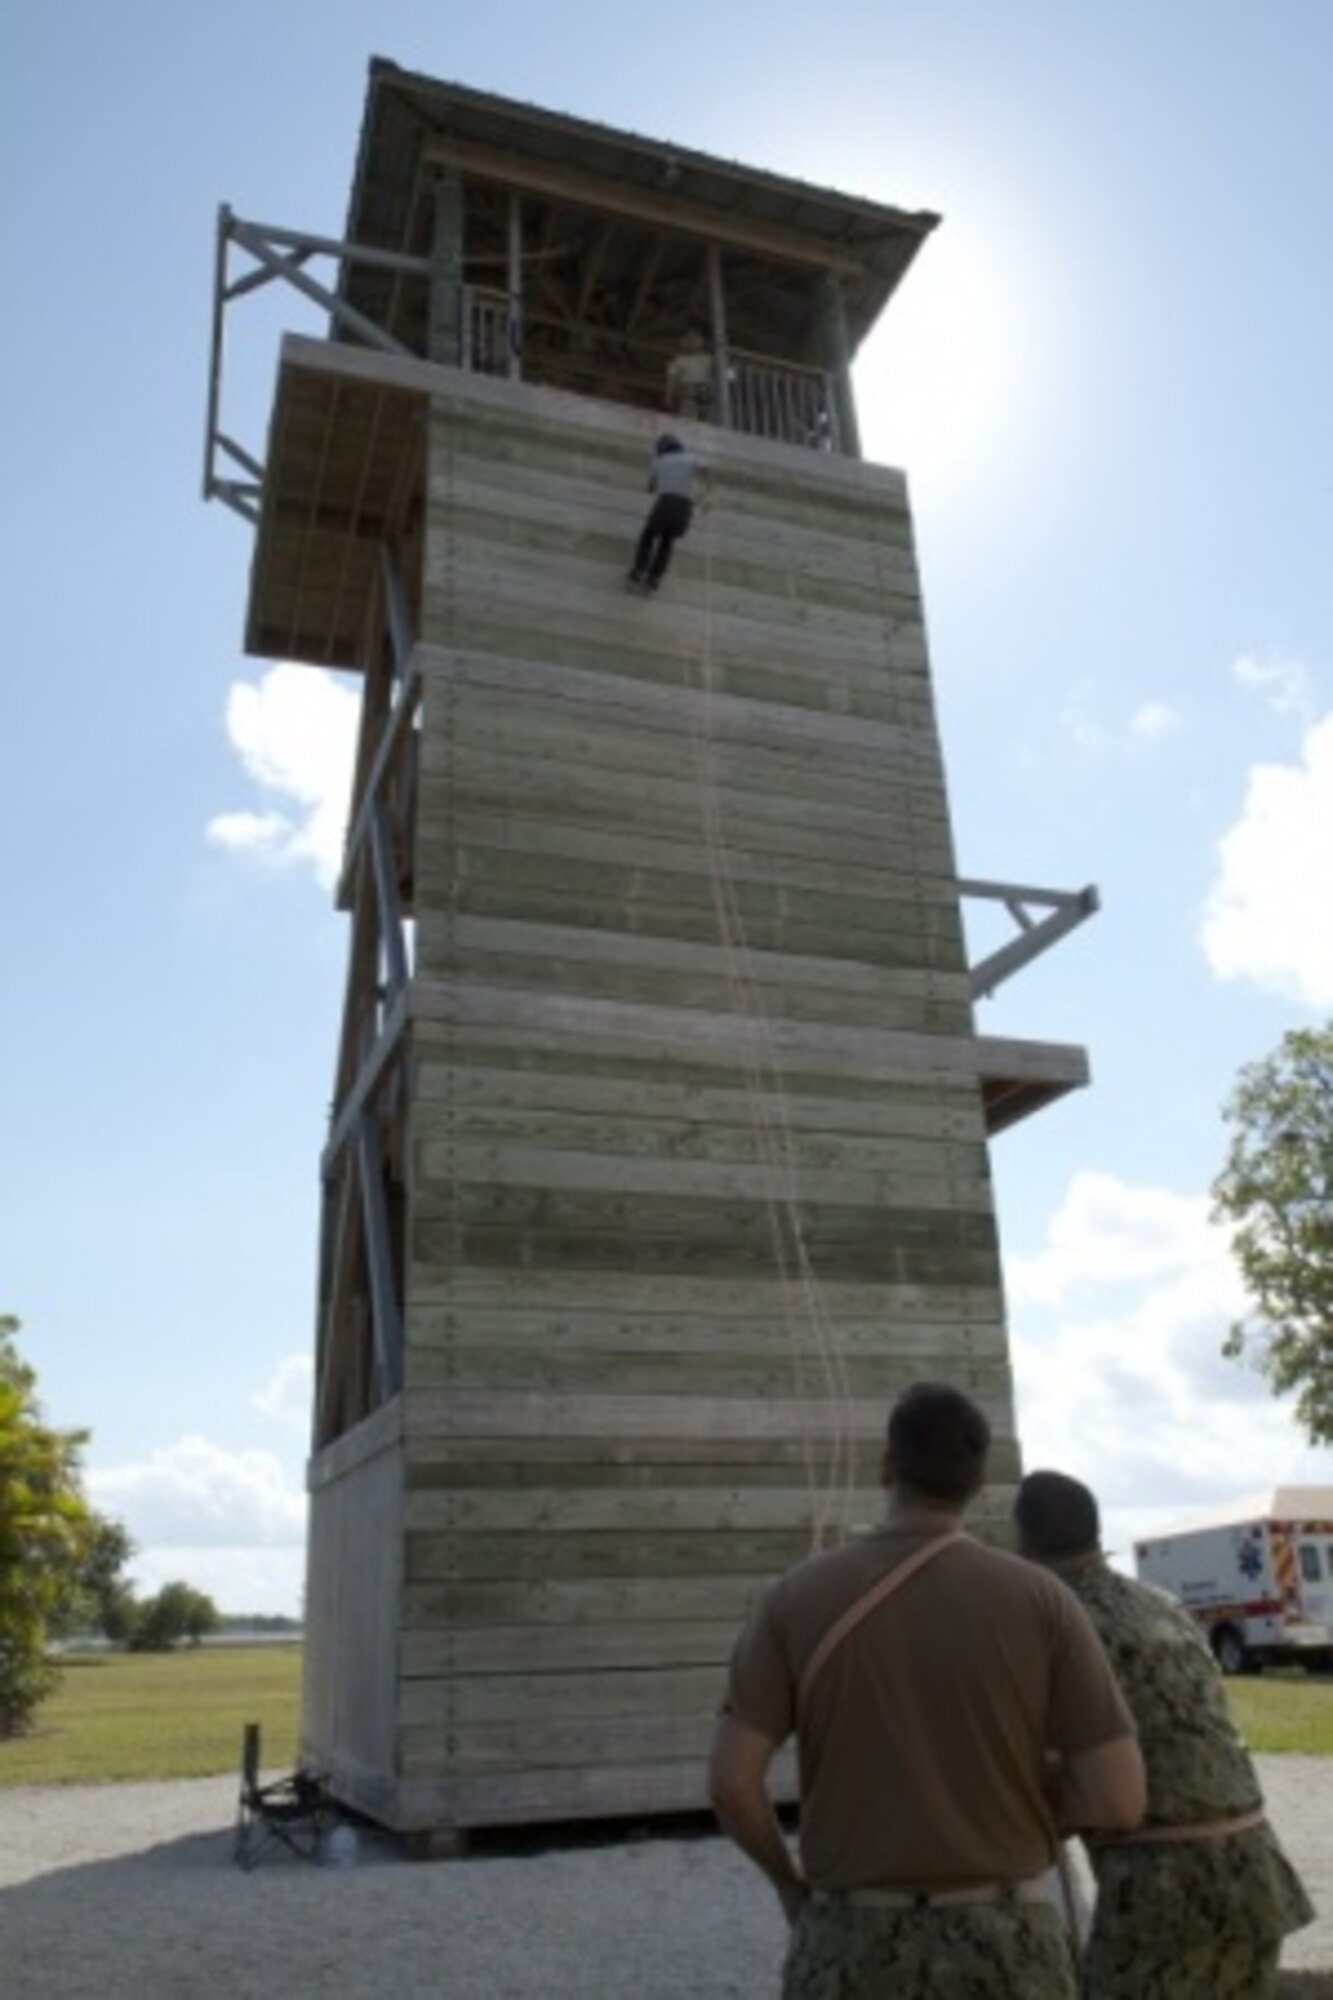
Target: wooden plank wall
[
  {"x": 682, "y": 1217},
  {"x": 352, "y": 1614}
]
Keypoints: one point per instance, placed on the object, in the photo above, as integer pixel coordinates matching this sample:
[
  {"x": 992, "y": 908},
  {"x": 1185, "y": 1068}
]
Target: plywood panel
[{"x": 353, "y": 1609}]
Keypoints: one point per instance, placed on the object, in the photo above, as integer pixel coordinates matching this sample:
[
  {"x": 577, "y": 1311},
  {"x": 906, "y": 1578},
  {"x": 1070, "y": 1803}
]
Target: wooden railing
[
  {"x": 767, "y": 398},
  {"x": 777, "y": 399},
  {"x": 490, "y": 337}
]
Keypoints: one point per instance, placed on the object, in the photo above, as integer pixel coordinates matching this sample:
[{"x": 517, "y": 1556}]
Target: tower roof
[{"x": 600, "y": 193}]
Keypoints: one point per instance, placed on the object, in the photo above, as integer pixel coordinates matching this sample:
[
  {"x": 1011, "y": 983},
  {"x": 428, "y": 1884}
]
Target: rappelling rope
[{"x": 831, "y": 1495}]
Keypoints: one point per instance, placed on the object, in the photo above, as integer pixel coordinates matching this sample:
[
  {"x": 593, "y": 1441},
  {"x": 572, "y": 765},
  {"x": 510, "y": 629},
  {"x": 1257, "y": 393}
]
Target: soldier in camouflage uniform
[
  {"x": 923, "y": 1727},
  {"x": 1197, "y": 1902}
]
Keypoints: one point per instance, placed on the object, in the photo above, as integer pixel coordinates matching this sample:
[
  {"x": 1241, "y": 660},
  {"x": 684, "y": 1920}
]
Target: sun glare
[{"x": 942, "y": 380}]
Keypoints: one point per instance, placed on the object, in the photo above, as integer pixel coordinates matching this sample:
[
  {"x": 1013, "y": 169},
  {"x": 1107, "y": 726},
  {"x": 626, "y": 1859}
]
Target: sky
[{"x": 1107, "y": 378}]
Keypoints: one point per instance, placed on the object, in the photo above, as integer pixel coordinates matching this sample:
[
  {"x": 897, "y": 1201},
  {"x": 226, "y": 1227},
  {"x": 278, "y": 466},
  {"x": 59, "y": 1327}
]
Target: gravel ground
[{"x": 127, "y": 1892}]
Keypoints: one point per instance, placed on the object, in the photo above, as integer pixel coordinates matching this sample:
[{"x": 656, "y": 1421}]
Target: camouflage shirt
[
  {"x": 1198, "y": 1768},
  {"x": 1155, "y": 1900}
]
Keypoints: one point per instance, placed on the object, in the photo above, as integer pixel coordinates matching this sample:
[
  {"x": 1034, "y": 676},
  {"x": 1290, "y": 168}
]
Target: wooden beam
[
  {"x": 445, "y": 337},
  {"x": 369, "y": 1074},
  {"x": 336, "y": 1338},
  {"x": 393, "y": 736},
  {"x": 717, "y": 309},
  {"x": 386, "y": 1320},
  {"x": 514, "y": 316},
  {"x": 592, "y": 265},
  {"x": 386, "y": 890},
  {"x": 680, "y": 218},
  {"x": 642, "y": 291},
  {"x": 345, "y": 315}
]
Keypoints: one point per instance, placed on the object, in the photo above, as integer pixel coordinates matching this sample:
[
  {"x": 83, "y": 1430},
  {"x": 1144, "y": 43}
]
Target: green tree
[
  {"x": 1277, "y": 1190},
  {"x": 177, "y": 1612},
  {"x": 101, "y": 1601},
  {"x": 46, "y": 1530}
]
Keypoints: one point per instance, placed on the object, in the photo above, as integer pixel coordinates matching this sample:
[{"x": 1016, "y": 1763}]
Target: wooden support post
[
  {"x": 386, "y": 1320},
  {"x": 446, "y": 270},
  {"x": 514, "y": 316},
  {"x": 397, "y": 618},
  {"x": 721, "y": 358},
  {"x": 387, "y": 899},
  {"x": 835, "y": 356},
  {"x": 335, "y": 1382}
]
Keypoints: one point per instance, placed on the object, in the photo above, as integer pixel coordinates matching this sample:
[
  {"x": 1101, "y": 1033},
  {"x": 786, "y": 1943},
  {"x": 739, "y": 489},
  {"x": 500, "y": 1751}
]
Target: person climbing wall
[{"x": 672, "y": 479}]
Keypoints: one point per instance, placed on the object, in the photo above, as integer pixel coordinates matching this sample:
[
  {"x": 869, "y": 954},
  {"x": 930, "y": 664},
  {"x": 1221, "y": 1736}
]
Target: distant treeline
[{"x": 256, "y": 1621}]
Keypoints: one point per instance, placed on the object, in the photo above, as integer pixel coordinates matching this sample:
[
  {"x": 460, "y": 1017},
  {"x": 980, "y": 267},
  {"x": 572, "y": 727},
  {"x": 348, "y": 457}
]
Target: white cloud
[
  {"x": 270, "y": 1581},
  {"x": 1095, "y": 734},
  {"x": 195, "y": 1493},
  {"x": 1153, "y": 720},
  {"x": 295, "y": 732},
  {"x": 1266, "y": 917},
  {"x": 1285, "y": 684},
  {"x": 1117, "y": 1324},
  {"x": 285, "y": 1397},
  {"x": 1109, "y": 1233}
]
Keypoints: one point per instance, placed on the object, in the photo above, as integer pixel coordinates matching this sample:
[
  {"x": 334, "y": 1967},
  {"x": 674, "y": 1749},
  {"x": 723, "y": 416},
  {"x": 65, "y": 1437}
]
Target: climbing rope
[{"x": 832, "y": 1486}]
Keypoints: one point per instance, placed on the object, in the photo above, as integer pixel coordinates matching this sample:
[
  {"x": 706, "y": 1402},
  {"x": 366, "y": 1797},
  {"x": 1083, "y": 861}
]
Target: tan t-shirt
[{"x": 922, "y": 1744}]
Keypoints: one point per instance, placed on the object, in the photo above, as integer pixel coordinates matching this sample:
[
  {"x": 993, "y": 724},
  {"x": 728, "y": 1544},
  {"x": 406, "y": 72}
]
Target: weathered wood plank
[
  {"x": 805, "y": 1368},
  {"x": 691, "y": 1036},
  {"x": 527, "y": 1148},
  {"x": 540, "y": 1745},
  {"x": 483, "y": 1096},
  {"x": 913, "y": 930},
  {"x": 480, "y": 1704},
  {"x": 537, "y": 1649},
  {"x": 753, "y": 826},
  {"x": 453, "y": 831},
  {"x": 687, "y": 1339},
  {"x": 525, "y": 1129},
  {"x": 476, "y": 682},
  {"x": 759, "y": 1168},
  {"x": 786, "y": 674},
  {"x": 473, "y": 946},
  {"x": 514, "y": 1417},
  {"x": 751, "y": 539},
  {"x": 589, "y": 1604},
  {"x": 558, "y": 1510},
  {"x": 701, "y": 1298},
  {"x": 590, "y": 1791},
  {"x": 687, "y": 775}
]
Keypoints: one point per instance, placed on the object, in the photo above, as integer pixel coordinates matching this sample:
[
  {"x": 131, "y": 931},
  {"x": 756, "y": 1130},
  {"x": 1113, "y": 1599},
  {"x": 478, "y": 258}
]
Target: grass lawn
[
  {"x": 160, "y": 1715},
  {"x": 1284, "y": 1710},
  {"x": 118, "y": 1716}
]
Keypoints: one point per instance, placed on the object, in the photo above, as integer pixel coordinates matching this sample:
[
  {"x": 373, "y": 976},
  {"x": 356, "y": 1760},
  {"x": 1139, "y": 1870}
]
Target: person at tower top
[
  {"x": 689, "y": 378},
  {"x": 948, "y": 1717}
]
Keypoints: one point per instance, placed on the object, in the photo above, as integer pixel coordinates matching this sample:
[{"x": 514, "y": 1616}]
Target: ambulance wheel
[{"x": 1229, "y": 1650}]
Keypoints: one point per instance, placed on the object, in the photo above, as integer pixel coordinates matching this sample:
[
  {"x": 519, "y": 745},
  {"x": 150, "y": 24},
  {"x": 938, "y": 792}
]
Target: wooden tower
[{"x": 657, "y": 1161}]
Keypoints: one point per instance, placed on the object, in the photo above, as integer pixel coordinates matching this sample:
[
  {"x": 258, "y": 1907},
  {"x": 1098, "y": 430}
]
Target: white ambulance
[{"x": 1258, "y": 1576}]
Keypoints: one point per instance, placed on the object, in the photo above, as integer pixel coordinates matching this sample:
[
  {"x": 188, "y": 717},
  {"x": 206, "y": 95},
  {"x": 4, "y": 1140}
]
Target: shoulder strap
[{"x": 862, "y": 1606}]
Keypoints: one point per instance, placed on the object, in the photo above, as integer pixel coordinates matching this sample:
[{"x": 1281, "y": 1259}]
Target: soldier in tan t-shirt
[{"x": 943, "y": 1730}]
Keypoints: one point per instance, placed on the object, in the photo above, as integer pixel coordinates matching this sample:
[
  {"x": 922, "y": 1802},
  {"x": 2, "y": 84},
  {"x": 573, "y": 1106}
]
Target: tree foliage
[
  {"x": 177, "y": 1612},
  {"x": 46, "y": 1534},
  {"x": 101, "y": 1600},
  {"x": 1277, "y": 1190}
]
